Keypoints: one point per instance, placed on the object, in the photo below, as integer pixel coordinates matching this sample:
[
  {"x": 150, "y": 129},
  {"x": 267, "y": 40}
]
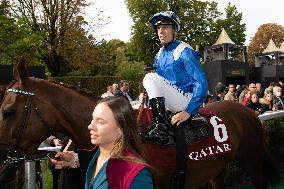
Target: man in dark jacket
[
  {"x": 124, "y": 90},
  {"x": 220, "y": 92}
]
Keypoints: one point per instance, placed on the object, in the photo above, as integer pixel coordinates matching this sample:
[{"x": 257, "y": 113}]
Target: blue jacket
[{"x": 180, "y": 64}]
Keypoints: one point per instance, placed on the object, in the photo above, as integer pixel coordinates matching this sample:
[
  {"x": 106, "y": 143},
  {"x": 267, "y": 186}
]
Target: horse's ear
[{"x": 20, "y": 71}]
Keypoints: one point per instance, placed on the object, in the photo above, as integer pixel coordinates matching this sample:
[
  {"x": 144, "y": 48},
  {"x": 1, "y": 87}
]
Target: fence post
[{"x": 30, "y": 175}]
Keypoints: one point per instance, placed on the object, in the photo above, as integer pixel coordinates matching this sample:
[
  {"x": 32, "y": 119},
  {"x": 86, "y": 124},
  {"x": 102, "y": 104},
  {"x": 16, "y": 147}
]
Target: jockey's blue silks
[{"x": 179, "y": 78}]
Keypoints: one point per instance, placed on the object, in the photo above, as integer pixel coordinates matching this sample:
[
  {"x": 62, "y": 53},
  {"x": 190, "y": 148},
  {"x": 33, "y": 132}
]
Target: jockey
[{"x": 179, "y": 84}]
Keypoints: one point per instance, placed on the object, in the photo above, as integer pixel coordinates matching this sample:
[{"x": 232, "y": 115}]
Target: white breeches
[{"x": 157, "y": 86}]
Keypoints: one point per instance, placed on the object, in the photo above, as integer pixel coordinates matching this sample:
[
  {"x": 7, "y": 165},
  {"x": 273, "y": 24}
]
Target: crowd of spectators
[{"x": 253, "y": 96}]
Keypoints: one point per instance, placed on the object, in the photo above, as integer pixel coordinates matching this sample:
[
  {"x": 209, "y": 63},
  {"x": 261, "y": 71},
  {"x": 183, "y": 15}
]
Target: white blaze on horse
[{"x": 26, "y": 120}]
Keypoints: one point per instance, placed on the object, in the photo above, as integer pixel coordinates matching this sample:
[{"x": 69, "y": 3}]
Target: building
[
  {"x": 270, "y": 64},
  {"x": 226, "y": 62}
]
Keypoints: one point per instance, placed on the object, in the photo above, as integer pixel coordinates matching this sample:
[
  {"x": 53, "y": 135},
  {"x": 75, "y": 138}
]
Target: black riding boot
[{"x": 160, "y": 130}]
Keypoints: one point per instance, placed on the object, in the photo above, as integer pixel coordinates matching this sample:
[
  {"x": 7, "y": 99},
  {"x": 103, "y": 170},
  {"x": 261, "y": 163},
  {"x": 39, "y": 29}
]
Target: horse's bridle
[{"x": 15, "y": 154}]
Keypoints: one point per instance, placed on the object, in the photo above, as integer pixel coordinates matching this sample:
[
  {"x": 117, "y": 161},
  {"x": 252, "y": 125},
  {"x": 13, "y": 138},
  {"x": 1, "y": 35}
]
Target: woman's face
[
  {"x": 254, "y": 98},
  {"x": 268, "y": 97},
  {"x": 104, "y": 129},
  {"x": 247, "y": 94},
  {"x": 165, "y": 33}
]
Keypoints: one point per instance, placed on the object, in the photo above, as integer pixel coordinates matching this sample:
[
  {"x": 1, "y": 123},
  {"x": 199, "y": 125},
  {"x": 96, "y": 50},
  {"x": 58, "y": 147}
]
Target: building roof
[
  {"x": 271, "y": 47},
  {"x": 223, "y": 38}
]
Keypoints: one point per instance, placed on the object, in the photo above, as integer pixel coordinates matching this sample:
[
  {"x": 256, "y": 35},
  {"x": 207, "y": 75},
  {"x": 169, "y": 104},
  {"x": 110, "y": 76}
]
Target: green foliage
[
  {"x": 261, "y": 39},
  {"x": 275, "y": 129},
  {"x": 201, "y": 23},
  {"x": 126, "y": 69},
  {"x": 17, "y": 40},
  {"x": 232, "y": 24},
  {"x": 98, "y": 84}
]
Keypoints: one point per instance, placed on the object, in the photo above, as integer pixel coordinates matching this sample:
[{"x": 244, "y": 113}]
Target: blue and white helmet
[{"x": 165, "y": 15}]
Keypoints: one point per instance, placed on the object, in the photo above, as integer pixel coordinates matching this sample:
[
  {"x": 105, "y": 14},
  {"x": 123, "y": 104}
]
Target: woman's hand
[
  {"x": 180, "y": 117},
  {"x": 63, "y": 160}
]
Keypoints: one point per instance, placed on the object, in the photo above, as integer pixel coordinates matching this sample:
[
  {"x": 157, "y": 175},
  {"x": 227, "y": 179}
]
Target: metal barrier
[
  {"x": 30, "y": 172},
  {"x": 30, "y": 168}
]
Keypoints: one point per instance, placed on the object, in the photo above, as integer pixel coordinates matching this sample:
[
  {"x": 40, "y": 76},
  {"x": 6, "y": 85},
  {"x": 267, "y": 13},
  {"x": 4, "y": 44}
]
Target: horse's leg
[
  {"x": 218, "y": 182},
  {"x": 264, "y": 171}
]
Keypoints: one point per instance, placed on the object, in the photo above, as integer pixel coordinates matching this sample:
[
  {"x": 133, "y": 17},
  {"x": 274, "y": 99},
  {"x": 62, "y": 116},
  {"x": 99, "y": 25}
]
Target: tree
[
  {"x": 232, "y": 24},
  {"x": 57, "y": 22},
  {"x": 201, "y": 23},
  {"x": 261, "y": 39},
  {"x": 125, "y": 68},
  {"x": 16, "y": 38}
]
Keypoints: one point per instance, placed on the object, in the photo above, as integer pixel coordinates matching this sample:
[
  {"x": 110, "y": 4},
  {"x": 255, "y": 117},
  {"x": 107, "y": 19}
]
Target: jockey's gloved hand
[{"x": 180, "y": 117}]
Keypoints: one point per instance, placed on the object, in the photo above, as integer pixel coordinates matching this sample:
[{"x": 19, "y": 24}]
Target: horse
[
  {"x": 11, "y": 175},
  {"x": 33, "y": 109}
]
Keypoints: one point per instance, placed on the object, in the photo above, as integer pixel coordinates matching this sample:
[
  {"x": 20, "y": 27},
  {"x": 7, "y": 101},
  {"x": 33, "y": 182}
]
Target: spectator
[
  {"x": 220, "y": 91},
  {"x": 259, "y": 90},
  {"x": 246, "y": 98},
  {"x": 231, "y": 93},
  {"x": 254, "y": 104},
  {"x": 240, "y": 90},
  {"x": 278, "y": 99},
  {"x": 208, "y": 100},
  {"x": 108, "y": 92},
  {"x": 270, "y": 87},
  {"x": 115, "y": 88},
  {"x": 124, "y": 90},
  {"x": 251, "y": 88},
  {"x": 266, "y": 102}
]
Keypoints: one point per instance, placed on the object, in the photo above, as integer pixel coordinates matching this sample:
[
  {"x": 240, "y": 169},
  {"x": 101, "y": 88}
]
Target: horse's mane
[{"x": 79, "y": 90}]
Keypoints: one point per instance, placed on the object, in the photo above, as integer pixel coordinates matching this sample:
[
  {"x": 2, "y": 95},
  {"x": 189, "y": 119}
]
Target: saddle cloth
[{"x": 218, "y": 143}]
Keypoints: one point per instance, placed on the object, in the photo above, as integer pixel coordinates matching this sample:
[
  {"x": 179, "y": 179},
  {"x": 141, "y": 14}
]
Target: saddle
[
  {"x": 194, "y": 128},
  {"x": 197, "y": 128}
]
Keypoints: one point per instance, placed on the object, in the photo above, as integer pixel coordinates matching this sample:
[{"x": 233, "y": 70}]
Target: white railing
[{"x": 271, "y": 115}]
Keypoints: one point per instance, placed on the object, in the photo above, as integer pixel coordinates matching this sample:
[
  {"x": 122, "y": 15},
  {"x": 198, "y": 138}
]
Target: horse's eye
[{"x": 8, "y": 113}]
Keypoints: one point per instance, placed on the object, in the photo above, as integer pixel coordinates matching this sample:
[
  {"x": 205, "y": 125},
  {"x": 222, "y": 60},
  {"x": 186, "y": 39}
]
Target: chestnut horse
[
  {"x": 33, "y": 109},
  {"x": 11, "y": 175}
]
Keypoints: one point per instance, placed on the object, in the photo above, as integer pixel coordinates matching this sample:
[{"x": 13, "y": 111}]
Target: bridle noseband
[{"x": 15, "y": 154}]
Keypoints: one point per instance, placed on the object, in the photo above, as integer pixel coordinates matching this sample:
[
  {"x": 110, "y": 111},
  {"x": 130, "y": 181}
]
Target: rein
[{"x": 15, "y": 154}]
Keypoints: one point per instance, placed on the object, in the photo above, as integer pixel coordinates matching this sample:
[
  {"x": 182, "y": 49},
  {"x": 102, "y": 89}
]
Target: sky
[{"x": 255, "y": 13}]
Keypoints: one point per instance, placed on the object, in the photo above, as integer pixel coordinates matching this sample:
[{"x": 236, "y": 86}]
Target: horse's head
[
  {"x": 33, "y": 109},
  {"x": 19, "y": 122}
]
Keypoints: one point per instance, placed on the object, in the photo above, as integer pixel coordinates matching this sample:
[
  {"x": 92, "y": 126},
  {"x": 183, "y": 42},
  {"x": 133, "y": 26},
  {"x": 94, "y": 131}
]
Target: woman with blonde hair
[{"x": 267, "y": 101}]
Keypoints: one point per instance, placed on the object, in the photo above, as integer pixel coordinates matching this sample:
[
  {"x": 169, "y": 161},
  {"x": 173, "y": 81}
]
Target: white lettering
[
  {"x": 193, "y": 158},
  {"x": 203, "y": 153},
  {"x": 209, "y": 151},
  {"x": 219, "y": 149},
  {"x": 216, "y": 126},
  {"x": 226, "y": 147}
]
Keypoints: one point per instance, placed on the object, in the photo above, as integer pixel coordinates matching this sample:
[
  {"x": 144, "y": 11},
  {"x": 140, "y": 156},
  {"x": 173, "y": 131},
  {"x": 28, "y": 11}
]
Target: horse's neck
[{"x": 75, "y": 111}]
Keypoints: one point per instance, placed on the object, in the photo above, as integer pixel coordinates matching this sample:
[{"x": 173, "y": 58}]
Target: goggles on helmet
[{"x": 157, "y": 19}]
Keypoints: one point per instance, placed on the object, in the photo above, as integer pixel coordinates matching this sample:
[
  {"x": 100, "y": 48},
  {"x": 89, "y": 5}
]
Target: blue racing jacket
[{"x": 178, "y": 63}]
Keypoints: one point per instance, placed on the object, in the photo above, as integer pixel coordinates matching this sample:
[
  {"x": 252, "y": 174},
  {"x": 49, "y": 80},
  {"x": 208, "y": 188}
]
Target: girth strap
[{"x": 181, "y": 157}]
